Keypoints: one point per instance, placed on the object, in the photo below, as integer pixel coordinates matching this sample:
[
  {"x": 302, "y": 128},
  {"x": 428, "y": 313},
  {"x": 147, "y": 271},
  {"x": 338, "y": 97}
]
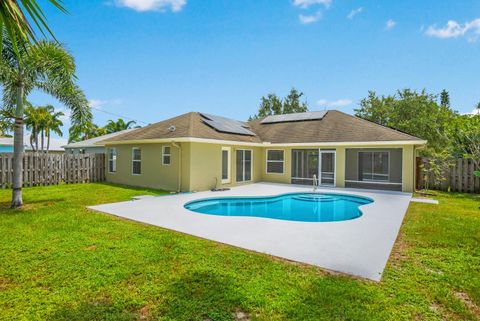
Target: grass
[{"x": 59, "y": 261}]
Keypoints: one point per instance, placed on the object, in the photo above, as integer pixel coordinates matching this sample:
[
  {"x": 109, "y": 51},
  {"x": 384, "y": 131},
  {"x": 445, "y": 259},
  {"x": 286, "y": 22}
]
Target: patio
[{"x": 360, "y": 247}]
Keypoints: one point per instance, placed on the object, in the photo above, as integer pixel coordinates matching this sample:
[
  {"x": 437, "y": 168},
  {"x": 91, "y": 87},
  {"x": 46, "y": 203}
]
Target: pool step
[{"x": 316, "y": 198}]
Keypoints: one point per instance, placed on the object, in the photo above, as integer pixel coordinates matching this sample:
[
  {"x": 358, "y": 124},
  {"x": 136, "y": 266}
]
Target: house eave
[{"x": 263, "y": 144}]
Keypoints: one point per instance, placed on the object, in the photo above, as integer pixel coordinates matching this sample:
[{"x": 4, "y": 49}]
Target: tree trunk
[
  {"x": 31, "y": 141},
  {"x": 42, "y": 139},
  {"x": 17, "y": 200},
  {"x": 48, "y": 142},
  {"x": 36, "y": 140}
]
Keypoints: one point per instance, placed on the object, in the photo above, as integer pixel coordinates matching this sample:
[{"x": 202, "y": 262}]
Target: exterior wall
[
  {"x": 287, "y": 174},
  {"x": 198, "y": 166},
  {"x": 206, "y": 166},
  {"x": 153, "y": 173},
  {"x": 88, "y": 150}
]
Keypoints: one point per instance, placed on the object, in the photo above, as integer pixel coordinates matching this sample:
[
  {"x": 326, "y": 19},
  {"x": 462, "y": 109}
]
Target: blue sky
[{"x": 154, "y": 59}]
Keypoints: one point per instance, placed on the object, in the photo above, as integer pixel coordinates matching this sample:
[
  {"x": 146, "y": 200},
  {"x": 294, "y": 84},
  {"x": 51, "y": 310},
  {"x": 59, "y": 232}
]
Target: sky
[{"x": 149, "y": 60}]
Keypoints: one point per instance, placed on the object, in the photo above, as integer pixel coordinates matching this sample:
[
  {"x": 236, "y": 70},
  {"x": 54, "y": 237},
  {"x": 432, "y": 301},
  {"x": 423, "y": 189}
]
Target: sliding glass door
[
  {"x": 309, "y": 162},
  {"x": 244, "y": 165}
]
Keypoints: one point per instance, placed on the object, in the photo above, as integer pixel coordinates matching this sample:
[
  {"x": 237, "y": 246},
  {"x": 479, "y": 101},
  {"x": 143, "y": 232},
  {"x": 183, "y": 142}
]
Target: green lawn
[{"x": 59, "y": 261}]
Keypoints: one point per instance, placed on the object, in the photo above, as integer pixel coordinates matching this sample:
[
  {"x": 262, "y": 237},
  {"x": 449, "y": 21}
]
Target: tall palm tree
[
  {"x": 15, "y": 16},
  {"x": 119, "y": 125},
  {"x": 47, "y": 67},
  {"x": 33, "y": 119},
  {"x": 52, "y": 124},
  {"x": 42, "y": 121}
]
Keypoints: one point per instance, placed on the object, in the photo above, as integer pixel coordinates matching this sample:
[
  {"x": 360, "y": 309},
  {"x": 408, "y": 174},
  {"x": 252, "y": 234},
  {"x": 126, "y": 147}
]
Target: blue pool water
[{"x": 304, "y": 207}]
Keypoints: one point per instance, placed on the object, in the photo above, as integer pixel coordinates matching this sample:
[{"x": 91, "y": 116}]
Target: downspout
[{"x": 176, "y": 145}]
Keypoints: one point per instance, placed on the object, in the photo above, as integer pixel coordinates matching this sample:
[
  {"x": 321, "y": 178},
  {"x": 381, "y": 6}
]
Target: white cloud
[
  {"x": 354, "y": 12},
  {"x": 334, "y": 103},
  {"x": 390, "y": 24},
  {"x": 308, "y": 3},
  {"x": 453, "y": 29},
  {"x": 99, "y": 103},
  {"x": 476, "y": 111},
  {"x": 307, "y": 19},
  {"x": 153, "y": 5},
  {"x": 66, "y": 115}
]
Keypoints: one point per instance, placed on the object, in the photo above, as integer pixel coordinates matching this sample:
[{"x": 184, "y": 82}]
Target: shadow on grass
[
  {"x": 201, "y": 295},
  {"x": 136, "y": 188},
  {"x": 29, "y": 205},
  {"x": 198, "y": 295}
]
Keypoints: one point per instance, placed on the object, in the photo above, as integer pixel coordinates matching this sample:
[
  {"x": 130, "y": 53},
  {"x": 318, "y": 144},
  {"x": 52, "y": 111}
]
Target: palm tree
[
  {"x": 119, "y": 125},
  {"x": 84, "y": 130},
  {"x": 33, "y": 120},
  {"x": 41, "y": 121},
  {"x": 47, "y": 67},
  {"x": 15, "y": 16},
  {"x": 52, "y": 123}
]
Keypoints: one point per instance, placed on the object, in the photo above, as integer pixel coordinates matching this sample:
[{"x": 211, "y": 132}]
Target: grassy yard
[{"x": 59, "y": 261}]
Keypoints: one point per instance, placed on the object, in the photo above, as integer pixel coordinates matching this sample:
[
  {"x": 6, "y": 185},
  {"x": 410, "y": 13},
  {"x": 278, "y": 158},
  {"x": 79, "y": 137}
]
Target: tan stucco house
[{"x": 198, "y": 151}]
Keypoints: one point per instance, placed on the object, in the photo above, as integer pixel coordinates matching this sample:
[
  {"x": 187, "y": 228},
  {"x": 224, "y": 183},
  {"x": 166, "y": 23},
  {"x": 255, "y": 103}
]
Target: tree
[
  {"x": 416, "y": 113},
  {"x": 119, "y": 125},
  {"x": 445, "y": 99},
  {"x": 274, "y": 105},
  {"x": 52, "y": 124},
  {"x": 270, "y": 105},
  {"x": 465, "y": 131},
  {"x": 14, "y": 19},
  {"x": 292, "y": 103},
  {"x": 33, "y": 119},
  {"x": 83, "y": 131},
  {"x": 47, "y": 67}
]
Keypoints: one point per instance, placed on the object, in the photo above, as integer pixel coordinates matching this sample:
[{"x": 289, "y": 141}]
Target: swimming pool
[{"x": 303, "y": 207}]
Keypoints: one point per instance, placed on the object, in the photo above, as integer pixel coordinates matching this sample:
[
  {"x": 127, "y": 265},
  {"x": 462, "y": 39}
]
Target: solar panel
[
  {"x": 309, "y": 115},
  {"x": 226, "y": 125}
]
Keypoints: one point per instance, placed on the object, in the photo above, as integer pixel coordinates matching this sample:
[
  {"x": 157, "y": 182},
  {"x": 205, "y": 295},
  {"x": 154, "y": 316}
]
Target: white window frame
[
  {"x": 327, "y": 151},
  {"x": 164, "y": 154},
  {"x": 274, "y": 161},
  {"x": 114, "y": 161},
  {"x": 251, "y": 166},
  {"x": 373, "y": 180},
  {"x": 229, "y": 165},
  {"x": 139, "y": 161}
]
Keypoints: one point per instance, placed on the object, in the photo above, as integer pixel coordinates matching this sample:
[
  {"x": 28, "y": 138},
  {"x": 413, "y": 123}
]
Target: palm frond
[{"x": 15, "y": 17}]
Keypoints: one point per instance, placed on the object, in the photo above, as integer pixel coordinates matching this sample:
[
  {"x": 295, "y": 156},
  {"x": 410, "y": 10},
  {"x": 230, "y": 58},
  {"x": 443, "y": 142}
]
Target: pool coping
[{"x": 360, "y": 246}]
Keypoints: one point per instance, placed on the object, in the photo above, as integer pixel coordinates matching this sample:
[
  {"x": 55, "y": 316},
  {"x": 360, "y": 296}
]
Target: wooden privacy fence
[
  {"x": 40, "y": 169},
  {"x": 457, "y": 178}
]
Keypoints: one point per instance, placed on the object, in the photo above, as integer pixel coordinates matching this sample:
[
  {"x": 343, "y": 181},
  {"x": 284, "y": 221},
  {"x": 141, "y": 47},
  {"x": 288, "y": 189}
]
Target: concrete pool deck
[{"x": 359, "y": 247}]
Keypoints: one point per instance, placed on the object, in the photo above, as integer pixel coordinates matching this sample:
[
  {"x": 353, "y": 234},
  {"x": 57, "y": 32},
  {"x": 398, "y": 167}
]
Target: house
[
  {"x": 56, "y": 145},
  {"x": 198, "y": 151},
  {"x": 92, "y": 145}
]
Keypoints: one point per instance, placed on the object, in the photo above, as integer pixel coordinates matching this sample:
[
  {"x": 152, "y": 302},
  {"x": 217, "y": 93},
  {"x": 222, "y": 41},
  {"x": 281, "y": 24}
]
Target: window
[
  {"x": 112, "y": 160},
  {"x": 136, "y": 161},
  {"x": 166, "y": 156},
  {"x": 373, "y": 166},
  {"x": 275, "y": 161},
  {"x": 225, "y": 165},
  {"x": 244, "y": 165}
]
